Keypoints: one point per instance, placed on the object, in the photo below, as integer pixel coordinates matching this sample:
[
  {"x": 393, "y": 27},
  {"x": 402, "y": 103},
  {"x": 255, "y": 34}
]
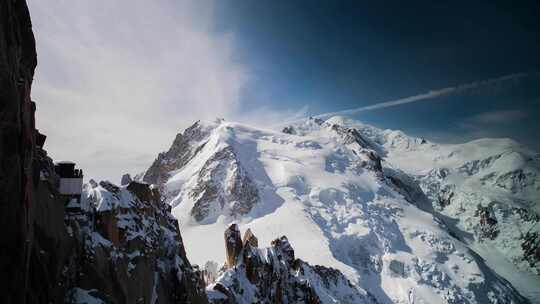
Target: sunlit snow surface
[
  {"x": 496, "y": 172},
  {"x": 340, "y": 215}
]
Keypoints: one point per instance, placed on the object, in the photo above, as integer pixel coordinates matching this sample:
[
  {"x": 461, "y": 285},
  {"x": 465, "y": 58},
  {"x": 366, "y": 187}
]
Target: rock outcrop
[
  {"x": 488, "y": 223},
  {"x": 223, "y": 186},
  {"x": 531, "y": 248},
  {"x": 233, "y": 245},
  {"x": 126, "y": 179},
  {"x": 219, "y": 186},
  {"x": 113, "y": 245},
  {"x": 21, "y": 262},
  {"x": 369, "y": 153},
  {"x": 185, "y": 146},
  {"x": 130, "y": 248},
  {"x": 274, "y": 275}
]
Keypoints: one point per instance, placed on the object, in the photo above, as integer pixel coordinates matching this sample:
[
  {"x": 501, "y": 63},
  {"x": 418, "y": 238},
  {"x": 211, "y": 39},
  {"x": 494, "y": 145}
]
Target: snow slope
[
  {"x": 499, "y": 175},
  {"x": 323, "y": 187}
]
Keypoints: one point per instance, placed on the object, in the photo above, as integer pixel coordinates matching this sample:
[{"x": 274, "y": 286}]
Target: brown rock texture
[
  {"x": 233, "y": 244},
  {"x": 274, "y": 275},
  {"x": 130, "y": 248},
  {"x": 184, "y": 147},
  {"x": 250, "y": 238},
  {"x": 34, "y": 245},
  {"x": 214, "y": 195},
  {"x": 223, "y": 185},
  {"x": 58, "y": 249},
  {"x": 17, "y": 150}
]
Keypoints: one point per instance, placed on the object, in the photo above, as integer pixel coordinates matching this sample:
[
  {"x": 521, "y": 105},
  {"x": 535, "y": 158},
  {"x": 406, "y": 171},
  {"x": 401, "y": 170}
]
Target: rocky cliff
[
  {"x": 129, "y": 248},
  {"x": 17, "y": 149},
  {"x": 110, "y": 245}
]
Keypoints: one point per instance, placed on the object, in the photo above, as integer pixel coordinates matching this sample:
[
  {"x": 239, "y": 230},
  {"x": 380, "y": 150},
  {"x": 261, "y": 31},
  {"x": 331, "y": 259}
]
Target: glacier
[{"x": 361, "y": 200}]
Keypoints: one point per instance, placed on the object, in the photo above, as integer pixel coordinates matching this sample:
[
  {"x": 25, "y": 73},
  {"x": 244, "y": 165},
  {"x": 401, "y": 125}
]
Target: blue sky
[
  {"x": 117, "y": 80},
  {"x": 330, "y": 55}
]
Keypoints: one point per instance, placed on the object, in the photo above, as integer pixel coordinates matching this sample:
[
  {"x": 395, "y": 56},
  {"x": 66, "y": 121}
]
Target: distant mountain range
[{"x": 404, "y": 219}]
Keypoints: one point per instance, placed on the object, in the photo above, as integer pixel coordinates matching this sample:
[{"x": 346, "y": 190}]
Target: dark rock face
[
  {"x": 214, "y": 193},
  {"x": 352, "y": 135},
  {"x": 445, "y": 196},
  {"x": 126, "y": 179},
  {"x": 233, "y": 244},
  {"x": 184, "y": 147},
  {"x": 276, "y": 276},
  {"x": 531, "y": 248},
  {"x": 19, "y": 253},
  {"x": 250, "y": 238},
  {"x": 52, "y": 248},
  {"x": 397, "y": 268},
  {"x": 223, "y": 185},
  {"x": 365, "y": 146},
  {"x": 289, "y": 130},
  {"x": 57, "y": 248},
  {"x": 517, "y": 180},
  {"x": 130, "y": 248},
  {"x": 488, "y": 223}
]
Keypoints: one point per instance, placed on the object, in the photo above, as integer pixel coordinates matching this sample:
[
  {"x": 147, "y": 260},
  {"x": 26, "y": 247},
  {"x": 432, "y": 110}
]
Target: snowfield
[{"x": 364, "y": 201}]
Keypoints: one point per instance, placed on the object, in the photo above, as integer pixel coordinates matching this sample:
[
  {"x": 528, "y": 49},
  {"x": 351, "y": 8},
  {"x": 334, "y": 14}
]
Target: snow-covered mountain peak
[{"x": 347, "y": 196}]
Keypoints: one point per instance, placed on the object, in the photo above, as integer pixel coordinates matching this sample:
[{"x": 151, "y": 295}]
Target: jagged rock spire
[
  {"x": 233, "y": 244},
  {"x": 251, "y": 239},
  {"x": 126, "y": 179},
  {"x": 276, "y": 276}
]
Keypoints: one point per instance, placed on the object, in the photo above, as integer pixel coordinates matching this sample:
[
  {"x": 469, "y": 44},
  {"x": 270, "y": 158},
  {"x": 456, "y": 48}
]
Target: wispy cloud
[
  {"x": 498, "y": 117},
  {"x": 431, "y": 95},
  {"x": 491, "y": 124},
  {"x": 117, "y": 80}
]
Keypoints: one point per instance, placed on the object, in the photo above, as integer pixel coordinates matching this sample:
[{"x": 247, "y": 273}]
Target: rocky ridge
[
  {"x": 112, "y": 245},
  {"x": 274, "y": 275},
  {"x": 221, "y": 184},
  {"x": 485, "y": 191},
  {"x": 131, "y": 249}
]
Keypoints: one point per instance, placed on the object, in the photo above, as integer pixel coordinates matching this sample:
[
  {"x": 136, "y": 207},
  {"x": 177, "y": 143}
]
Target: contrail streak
[{"x": 424, "y": 96}]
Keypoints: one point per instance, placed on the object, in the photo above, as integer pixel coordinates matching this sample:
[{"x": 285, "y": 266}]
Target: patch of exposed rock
[
  {"x": 274, "y": 275},
  {"x": 130, "y": 248},
  {"x": 185, "y": 146},
  {"x": 531, "y": 248},
  {"x": 32, "y": 246},
  {"x": 488, "y": 222},
  {"x": 223, "y": 185}
]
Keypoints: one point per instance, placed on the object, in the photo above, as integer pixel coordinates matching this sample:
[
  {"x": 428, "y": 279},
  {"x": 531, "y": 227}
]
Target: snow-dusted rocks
[
  {"x": 126, "y": 179},
  {"x": 202, "y": 159},
  {"x": 330, "y": 187},
  {"x": 274, "y": 275},
  {"x": 185, "y": 146},
  {"x": 485, "y": 191},
  {"x": 233, "y": 244},
  {"x": 130, "y": 249},
  {"x": 222, "y": 186}
]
